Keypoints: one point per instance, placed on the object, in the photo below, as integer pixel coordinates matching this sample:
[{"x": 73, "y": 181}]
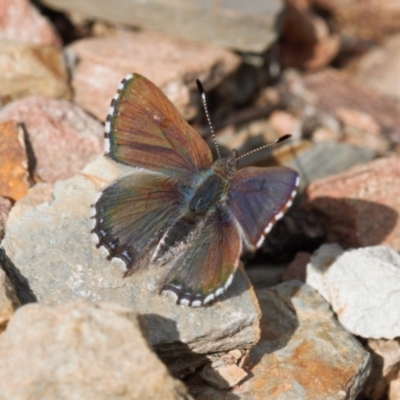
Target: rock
[
  {"x": 81, "y": 351},
  {"x": 380, "y": 67},
  {"x": 363, "y": 20},
  {"x": 9, "y": 301},
  {"x": 394, "y": 390},
  {"x": 297, "y": 268},
  {"x": 303, "y": 352},
  {"x": 306, "y": 40},
  {"x": 247, "y": 28},
  {"x": 224, "y": 376},
  {"x": 326, "y": 92},
  {"x": 284, "y": 123},
  {"x": 360, "y": 207},
  {"x": 385, "y": 361},
  {"x": 5, "y": 207},
  {"x": 171, "y": 63},
  {"x": 362, "y": 286},
  {"x": 318, "y": 160},
  {"x": 52, "y": 248},
  {"x": 27, "y": 69},
  {"x": 21, "y": 21},
  {"x": 62, "y": 137},
  {"x": 14, "y": 173}
]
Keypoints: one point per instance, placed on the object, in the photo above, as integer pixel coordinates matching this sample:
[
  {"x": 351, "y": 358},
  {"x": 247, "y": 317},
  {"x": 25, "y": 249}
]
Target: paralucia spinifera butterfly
[{"x": 182, "y": 209}]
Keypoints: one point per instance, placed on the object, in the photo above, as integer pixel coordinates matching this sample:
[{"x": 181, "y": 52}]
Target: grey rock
[
  {"x": 245, "y": 26},
  {"x": 362, "y": 286},
  {"x": 318, "y": 160},
  {"x": 303, "y": 353},
  {"x": 51, "y": 254},
  {"x": 81, "y": 351}
]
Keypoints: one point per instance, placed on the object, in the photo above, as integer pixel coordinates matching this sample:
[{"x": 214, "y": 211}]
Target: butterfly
[{"x": 181, "y": 209}]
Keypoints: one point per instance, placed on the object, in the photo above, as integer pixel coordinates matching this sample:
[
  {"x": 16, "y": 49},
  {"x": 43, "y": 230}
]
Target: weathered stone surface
[
  {"x": 52, "y": 248},
  {"x": 27, "y": 69},
  {"x": 8, "y": 300},
  {"x": 360, "y": 207},
  {"x": 19, "y": 20},
  {"x": 380, "y": 67},
  {"x": 303, "y": 353},
  {"x": 14, "y": 174},
  {"x": 327, "y": 92},
  {"x": 248, "y": 27},
  {"x": 171, "y": 63},
  {"x": 5, "y": 207},
  {"x": 385, "y": 367},
  {"x": 362, "y": 286},
  {"x": 318, "y": 160},
  {"x": 62, "y": 136},
  {"x": 81, "y": 351}
]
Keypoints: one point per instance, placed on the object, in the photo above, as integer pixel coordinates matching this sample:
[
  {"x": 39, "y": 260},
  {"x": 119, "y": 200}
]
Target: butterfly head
[{"x": 227, "y": 166}]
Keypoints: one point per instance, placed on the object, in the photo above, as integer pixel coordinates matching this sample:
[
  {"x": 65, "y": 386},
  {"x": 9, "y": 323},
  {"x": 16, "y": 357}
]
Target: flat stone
[
  {"x": 52, "y": 248},
  {"x": 224, "y": 376},
  {"x": 247, "y": 27},
  {"x": 360, "y": 207},
  {"x": 171, "y": 63},
  {"x": 362, "y": 286},
  {"x": 28, "y": 69},
  {"x": 311, "y": 161},
  {"x": 21, "y": 21},
  {"x": 62, "y": 137},
  {"x": 9, "y": 301},
  {"x": 81, "y": 351},
  {"x": 14, "y": 173},
  {"x": 303, "y": 353}
]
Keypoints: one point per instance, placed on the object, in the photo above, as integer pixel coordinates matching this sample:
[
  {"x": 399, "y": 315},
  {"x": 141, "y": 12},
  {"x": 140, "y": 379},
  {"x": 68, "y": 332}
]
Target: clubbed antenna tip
[{"x": 279, "y": 140}]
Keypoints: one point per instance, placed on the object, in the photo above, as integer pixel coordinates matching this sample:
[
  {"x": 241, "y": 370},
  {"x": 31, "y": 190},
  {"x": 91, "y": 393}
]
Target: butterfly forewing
[
  {"x": 205, "y": 268},
  {"x": 132, "y": 213},
  {"x": 259, "y": 197},
  {"x": 145, "y": 130}
]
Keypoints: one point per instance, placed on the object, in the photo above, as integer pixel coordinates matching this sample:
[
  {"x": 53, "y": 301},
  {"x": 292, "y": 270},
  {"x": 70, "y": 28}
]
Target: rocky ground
[{"x": 315, "y": 313}]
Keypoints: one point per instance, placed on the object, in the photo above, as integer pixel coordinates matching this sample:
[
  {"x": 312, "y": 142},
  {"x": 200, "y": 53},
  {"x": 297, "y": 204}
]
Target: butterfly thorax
[{"x": 210, "y": 193}]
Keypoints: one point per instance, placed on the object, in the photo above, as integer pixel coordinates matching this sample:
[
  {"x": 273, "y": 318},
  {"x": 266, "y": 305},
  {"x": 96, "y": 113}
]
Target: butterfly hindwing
[
  {"x": 259, "y": 197},
  {"x": 144, "y": 129},
  {"x": 205, "y": 268},
  {"x": 133, "y": 212}
]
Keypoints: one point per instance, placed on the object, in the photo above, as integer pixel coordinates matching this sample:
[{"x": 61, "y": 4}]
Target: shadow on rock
[
  {"x": 20, "y": 283},
  {"x": 354, "y": 222}
]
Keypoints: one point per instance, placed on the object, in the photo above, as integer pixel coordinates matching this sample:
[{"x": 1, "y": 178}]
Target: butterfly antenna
[
  {"x": 203, "y": 100},
  {"x": 279, "y": 140}
]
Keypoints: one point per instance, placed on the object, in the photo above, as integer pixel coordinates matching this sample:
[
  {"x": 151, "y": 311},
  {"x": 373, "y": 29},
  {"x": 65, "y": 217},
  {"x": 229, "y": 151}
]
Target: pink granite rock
[
  {"x": 360, "y": 207},
  {"x": 21, "y": 21},
  {"x": 62, "y": 136},
  {"x": 172, "y": 64}
]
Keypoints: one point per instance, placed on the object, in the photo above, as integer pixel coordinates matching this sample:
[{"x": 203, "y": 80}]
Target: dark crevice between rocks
[{"x": 20, "y": 283}]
